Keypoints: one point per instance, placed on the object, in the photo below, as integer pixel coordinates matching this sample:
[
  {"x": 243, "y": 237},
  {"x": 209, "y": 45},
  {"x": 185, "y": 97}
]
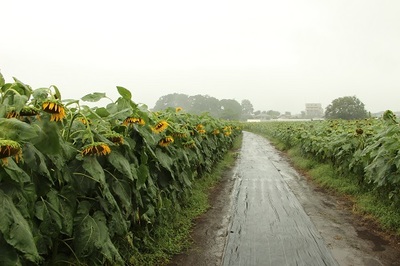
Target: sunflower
[
  {"x": 164, "y": 142},
  {"x": 9, "y": 148},
  {"x": 116, "y": 138},
  {"x": 133, "y": 120},
  {"x": 200, "y": 129},
  {"x": 96, "y": 148},
  {"x": 11, "y": 113},
  {"x": 29, "y": 111},
  {"x": 25, "y": 111},
  {"x": 227, "y": 130},
  {"x": 84, "y": 120},
  {"x": 216, "y": 131},
  {"x": 178, "y": 109},
  {"x": 55, "y": 108},
  {"x": 160, "y": 126},
  {"x": 179, "y": 135}
]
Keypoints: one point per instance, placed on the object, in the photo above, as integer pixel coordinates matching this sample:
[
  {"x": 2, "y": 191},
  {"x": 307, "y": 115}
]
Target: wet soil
[{"x": 350, "y": 239}]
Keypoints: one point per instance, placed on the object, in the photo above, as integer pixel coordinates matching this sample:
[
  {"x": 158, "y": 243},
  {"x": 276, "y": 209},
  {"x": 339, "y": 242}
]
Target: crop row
[{"x": 86, "y": 185}]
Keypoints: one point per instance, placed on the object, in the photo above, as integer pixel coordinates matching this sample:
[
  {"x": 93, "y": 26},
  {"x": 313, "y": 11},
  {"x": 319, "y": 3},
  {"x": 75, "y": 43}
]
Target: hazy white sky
[{"x": 277, "y": 54}]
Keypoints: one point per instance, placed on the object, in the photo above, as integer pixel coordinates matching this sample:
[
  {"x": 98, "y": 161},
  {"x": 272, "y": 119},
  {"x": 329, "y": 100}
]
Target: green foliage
[
  {"x": 174, "y": 236},
  {"x": 231, "y": 109},
  {"x": 247, "y": 109},
  {"x": 90, "y": 186},
  {"x": 93, "y": 97},
  {"x": 16, "y": 232},
  {"x": 348, "y": 107},
  {"x": 2, "y": 81},
  {"x": 273, "y": 114},
  {"x": 226, "y": 108}
]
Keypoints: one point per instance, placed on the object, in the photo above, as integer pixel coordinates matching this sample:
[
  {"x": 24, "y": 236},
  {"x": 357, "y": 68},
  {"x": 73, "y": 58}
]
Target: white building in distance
[{"x": 314, "y": 110}]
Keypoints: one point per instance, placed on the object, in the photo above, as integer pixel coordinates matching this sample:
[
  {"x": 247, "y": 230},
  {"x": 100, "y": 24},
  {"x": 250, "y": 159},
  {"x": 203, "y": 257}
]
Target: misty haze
[{"x": 214, "y": 132}]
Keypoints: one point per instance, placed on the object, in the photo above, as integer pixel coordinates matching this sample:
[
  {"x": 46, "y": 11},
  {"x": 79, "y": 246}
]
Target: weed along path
[
  {"x": 265, "y": 213},
  {"x": 269, "y": 225}
]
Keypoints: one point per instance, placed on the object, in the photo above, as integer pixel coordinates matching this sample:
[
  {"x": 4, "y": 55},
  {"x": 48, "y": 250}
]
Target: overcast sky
[{"x": 279, "y": 54}]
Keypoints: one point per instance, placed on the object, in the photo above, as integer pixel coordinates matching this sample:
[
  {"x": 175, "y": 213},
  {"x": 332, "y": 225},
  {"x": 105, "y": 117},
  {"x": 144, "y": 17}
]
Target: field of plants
[
  {"x": 84, "y": 185},
  {"x": 368, "y": 150}
]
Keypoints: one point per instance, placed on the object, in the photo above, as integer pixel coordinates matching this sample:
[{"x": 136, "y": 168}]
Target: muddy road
[{"x": 265, "y": 213}]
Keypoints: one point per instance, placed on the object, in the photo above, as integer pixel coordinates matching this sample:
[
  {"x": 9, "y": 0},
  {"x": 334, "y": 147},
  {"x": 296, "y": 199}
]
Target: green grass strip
[{"x": 366, "y": 203}]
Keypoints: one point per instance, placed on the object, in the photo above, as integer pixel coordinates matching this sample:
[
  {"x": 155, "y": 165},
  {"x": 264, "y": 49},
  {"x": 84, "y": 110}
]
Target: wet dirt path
[
  {"x": 269, "y": 225},
  {"x": 265, "y": 213}
]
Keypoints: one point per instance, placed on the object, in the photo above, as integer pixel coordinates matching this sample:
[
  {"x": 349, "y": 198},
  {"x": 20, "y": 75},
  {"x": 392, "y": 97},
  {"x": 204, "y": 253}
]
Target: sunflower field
[
  {"x": 368, "y": 150},
  {"x": 84, "y": 185}
]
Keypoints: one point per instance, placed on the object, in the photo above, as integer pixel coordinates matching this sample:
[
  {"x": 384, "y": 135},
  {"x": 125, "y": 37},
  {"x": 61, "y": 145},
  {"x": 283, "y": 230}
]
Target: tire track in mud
[{"x": 268, "y": 225}]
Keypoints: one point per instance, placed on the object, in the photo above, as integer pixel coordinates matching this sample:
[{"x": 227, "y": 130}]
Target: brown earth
[{"x": 353, "y": 239}]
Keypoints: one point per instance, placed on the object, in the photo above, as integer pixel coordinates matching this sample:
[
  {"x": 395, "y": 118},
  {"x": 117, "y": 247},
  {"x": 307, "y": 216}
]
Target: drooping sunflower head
[
  {"x": 9, "y": 148},
  {"x": 166, "y": 141},
  {"x": 200, "y": 129},
  {"x": 133, "y": 120},
  {"x": 359, "y": 131},
  {"x": 160, "y": 127},
  {"x": 389, "y": 116},
  {"x": 84, "y": 120},
  {"x": 24, "y": 112},
  {"x": 227, "y": 131},
  {"x": 189, "y": 144},
  {"x": 96, "y": 148},
  {"x": 216, "y": 131},
  {"x": 11, "y": 113},
  {"x": 178, "y": 109},
  {"x": 115, "y": 137},
  {"x": 179, "y": 134},
  {"x": 29, "y": 111},
  {"x": 55, "y": 108}
]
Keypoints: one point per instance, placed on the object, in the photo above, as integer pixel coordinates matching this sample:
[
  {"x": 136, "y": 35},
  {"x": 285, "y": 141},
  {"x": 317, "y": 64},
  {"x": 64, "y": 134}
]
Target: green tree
[
  {"x": 273, "y": 114},
  {"x": 348, "y": 107},
  {"x": 230, "y": 109},
  {"x": 172, "y": 100},
  {"x": 204, "y": 104},
  {"x": 198, "y": 104},
  {"x": 247, "y": 109}
]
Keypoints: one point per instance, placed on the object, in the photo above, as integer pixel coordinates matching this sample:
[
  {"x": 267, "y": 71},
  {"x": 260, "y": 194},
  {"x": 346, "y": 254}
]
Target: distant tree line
[
  {"x": 348, "y": 107},
  {"x": 228, "y": 109}
]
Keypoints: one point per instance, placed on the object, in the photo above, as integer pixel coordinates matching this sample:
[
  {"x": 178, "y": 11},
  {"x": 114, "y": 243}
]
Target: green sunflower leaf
[
  {"x": 15, "y": 229},
  {"x": 93, "y": 167},
  {"x": 120, "y": 163},
  {"x": 125, "y": 93},
  {"x": 93, "y": 97},
  {"x": 16, "y": 130},
  {"x": 2, "y": 81}
]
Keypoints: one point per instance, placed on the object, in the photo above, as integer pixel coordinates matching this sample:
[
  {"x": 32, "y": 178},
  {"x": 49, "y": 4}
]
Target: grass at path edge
[
  {"x": 369, "y": 205},
  {"x": 174, "y": 236}
]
